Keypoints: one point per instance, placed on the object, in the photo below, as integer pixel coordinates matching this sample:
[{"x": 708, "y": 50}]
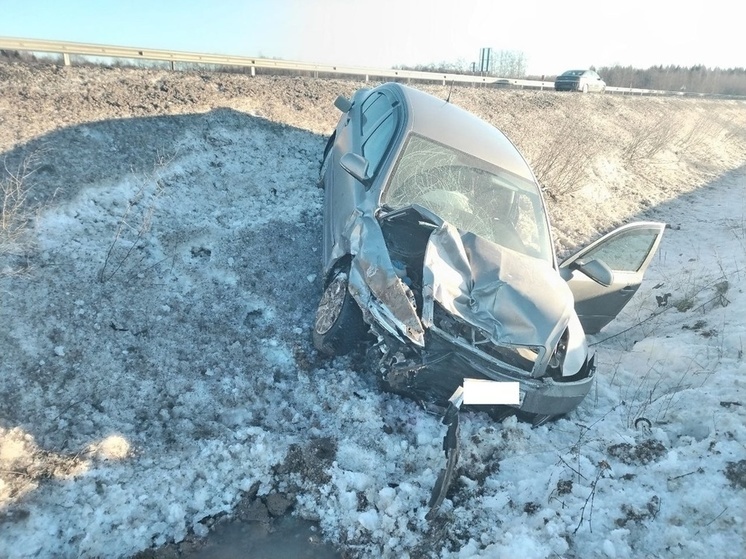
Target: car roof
[{"x": 448, "y": 124}]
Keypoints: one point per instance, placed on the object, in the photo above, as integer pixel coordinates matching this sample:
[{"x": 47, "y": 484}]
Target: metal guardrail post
[{"x": 66, "y": 58}]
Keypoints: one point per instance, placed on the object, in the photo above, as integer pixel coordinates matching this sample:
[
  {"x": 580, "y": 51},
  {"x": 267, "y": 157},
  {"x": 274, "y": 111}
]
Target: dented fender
[{"x": 373, "y": 280}]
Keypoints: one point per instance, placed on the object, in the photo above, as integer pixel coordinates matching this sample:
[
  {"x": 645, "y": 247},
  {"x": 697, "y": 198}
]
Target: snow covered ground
[{"x": 156, "y": 365}]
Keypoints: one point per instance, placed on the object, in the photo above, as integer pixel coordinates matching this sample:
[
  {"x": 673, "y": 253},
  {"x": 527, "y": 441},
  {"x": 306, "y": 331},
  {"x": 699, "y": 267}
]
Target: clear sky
[{"x": 554, "y": 35}]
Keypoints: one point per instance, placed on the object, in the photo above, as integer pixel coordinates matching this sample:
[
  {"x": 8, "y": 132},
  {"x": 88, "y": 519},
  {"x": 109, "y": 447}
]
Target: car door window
[{"x": 626, "y": 252}]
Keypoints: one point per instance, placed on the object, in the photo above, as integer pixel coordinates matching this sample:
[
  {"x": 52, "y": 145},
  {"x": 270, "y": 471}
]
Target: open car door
[{"x": 604, "y": 276}]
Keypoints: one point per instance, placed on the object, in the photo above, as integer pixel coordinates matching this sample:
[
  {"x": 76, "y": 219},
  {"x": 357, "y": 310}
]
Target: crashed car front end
[{"x": 455, "y": 306}]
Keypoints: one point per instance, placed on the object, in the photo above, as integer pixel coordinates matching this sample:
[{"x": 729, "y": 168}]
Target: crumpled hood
[{"x": 515, "y": 298}]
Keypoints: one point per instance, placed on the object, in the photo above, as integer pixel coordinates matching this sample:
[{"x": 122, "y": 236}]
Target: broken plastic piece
[{"x": 451, "y": 448}]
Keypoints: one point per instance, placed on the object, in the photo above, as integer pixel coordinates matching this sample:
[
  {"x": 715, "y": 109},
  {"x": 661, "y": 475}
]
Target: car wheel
[
  {"x": 585, "y": 88},
  {"x": 339, "y": 325}
]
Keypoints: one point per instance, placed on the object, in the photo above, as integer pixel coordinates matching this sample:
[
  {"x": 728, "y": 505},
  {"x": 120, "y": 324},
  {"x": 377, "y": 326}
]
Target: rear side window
[
  {"x": 378, "y": 127},
  {"x": 375, "y": 146},
  {"x": 374, "y": 108}
]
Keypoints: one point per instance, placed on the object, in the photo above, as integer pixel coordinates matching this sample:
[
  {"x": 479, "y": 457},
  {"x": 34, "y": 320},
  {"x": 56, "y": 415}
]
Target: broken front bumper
[{"x": 444, "y": 363}]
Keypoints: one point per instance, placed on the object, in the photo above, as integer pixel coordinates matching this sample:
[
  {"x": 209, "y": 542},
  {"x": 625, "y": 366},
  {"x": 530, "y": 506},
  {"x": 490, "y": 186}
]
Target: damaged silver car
[{"x": 437, "y": 251}]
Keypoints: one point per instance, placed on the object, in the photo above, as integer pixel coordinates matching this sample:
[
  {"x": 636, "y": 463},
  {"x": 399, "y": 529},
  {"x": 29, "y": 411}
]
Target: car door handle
[{"x": 629, "y": 289}]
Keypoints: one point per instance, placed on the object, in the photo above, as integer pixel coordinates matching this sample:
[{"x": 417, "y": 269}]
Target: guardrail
[
  {"x": 133, "y": 53},
  {"x": 107, "y": 51}
]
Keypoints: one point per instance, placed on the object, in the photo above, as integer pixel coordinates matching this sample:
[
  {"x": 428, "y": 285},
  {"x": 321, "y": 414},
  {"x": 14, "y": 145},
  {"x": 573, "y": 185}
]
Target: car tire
[{"x": 338, "y": 326}]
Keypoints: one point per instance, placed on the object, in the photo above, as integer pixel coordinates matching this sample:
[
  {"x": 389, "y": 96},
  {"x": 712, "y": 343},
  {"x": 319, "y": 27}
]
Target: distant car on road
[{"x": 580, "y": 80}]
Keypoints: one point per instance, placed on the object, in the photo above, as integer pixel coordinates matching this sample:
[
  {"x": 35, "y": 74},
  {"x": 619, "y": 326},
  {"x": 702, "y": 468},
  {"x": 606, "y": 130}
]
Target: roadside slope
[
  {"x": 157, "y": 372},
  {"x": 601, "y": 158}
]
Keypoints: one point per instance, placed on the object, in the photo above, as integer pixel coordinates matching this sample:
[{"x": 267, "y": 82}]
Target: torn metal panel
[
  {"x": 516, "y": 299},
  {"x": 374, "y": 281}
]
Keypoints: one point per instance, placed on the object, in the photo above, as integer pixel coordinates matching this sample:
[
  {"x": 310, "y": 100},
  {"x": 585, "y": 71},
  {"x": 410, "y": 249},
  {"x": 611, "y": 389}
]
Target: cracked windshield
[{"x": 472, "y": 195}]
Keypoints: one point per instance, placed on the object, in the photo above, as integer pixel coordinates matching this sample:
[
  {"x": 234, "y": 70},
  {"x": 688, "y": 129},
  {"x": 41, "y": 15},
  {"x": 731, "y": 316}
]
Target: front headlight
[
  {"x": 576, "y": 349},
  {"x": 557, "y": 359}
]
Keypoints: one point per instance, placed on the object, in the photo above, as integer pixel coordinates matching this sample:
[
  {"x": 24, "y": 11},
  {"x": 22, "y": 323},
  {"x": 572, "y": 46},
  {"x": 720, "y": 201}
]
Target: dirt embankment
[{"x": 603, "y": 159}]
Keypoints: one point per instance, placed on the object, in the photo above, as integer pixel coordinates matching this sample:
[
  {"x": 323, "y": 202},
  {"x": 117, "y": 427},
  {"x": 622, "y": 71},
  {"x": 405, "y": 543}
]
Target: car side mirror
[
  {"x": 597, "y": 270},
  {"x": 356, "y": 165},
  {"x": 342, "y": 103}
]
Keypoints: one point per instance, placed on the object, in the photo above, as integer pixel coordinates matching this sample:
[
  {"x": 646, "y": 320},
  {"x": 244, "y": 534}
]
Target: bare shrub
[
  {"x": 134, "y": 225},
  {"x": 706, "y": 126},
  {"x": 561, "y": 161},
  {"x": 15, "y": 215},
  {"x": 651, "y": 138},
  {"x": 18, "y": 56}
]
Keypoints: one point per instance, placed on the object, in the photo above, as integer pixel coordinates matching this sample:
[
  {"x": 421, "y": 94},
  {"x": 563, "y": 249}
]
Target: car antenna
[{"x": 448, "y": 99}]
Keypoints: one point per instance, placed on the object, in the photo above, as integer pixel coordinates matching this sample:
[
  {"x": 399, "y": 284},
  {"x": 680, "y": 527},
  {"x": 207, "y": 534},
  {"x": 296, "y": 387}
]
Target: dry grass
[
  {"x": 706, "y": 126},
  {"x": 15, "y": 215}
]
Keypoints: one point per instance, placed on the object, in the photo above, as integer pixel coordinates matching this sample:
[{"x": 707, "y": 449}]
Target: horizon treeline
[{"x": 694, "y": 79}]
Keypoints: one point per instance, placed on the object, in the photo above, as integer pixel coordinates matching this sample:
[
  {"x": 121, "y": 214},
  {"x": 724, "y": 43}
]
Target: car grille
[{"x": 522, "y": 358}]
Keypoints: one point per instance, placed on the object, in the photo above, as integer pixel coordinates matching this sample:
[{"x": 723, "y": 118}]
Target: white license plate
[{"x": 491, "y": 392}]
